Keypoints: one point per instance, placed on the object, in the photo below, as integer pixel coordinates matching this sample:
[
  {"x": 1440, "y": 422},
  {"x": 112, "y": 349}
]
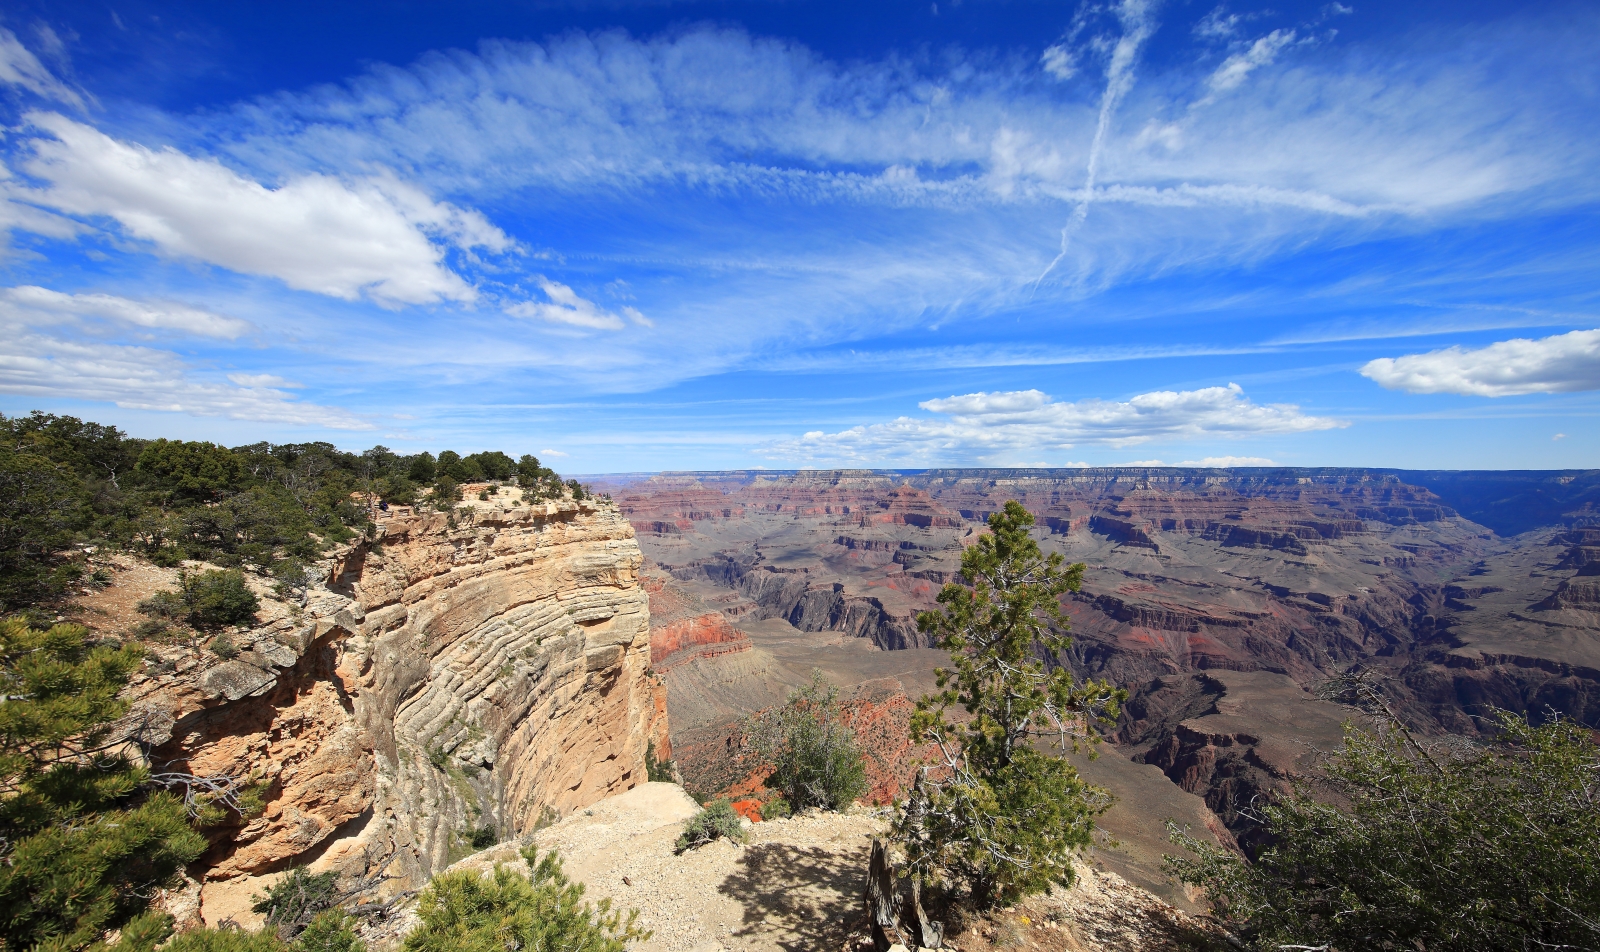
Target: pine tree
[
  {"x": 84, "y": 840},
  {"x": 995, "y": 811},
  {"x": 1405, "y": 844}
]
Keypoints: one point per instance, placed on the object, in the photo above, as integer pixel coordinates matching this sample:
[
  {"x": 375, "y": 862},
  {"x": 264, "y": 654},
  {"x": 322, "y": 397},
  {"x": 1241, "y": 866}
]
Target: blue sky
[{"x": 632, "y": 237}]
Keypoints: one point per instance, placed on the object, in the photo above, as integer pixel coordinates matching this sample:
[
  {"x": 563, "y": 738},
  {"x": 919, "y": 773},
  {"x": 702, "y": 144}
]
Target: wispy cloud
[
  {"x": 993, "y": 427},
  {"x": 50, "y": 348},
  {"x": 565, "y": 306},
  {"x": 1238, "y": 67},
  {"x": 1564, "y": 363},
  {"x": 1136, "y": 17},
  {"x": 19, "y": 67},
  {"x": 1210, "y": 462},
  {"x": 144, "y": 378},
  {"x": 371, "y": 235},
  {"x": 33, "y": 304}
]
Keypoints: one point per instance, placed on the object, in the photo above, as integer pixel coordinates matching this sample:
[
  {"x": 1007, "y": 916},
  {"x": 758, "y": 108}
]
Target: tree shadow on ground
[{"x": 797, "y": 898}]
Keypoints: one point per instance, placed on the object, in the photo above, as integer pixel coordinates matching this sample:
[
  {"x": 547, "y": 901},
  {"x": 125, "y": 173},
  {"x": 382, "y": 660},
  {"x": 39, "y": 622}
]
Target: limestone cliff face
[{"x": 453, "y": 674}]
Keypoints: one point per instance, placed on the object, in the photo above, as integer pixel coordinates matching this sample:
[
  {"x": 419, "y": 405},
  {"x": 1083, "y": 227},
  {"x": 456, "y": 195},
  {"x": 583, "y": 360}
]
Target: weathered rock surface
[{"x": 453, "y": 673}]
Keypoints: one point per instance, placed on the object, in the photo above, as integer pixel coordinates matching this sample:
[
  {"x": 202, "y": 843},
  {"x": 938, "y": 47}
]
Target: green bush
[
  {"x": 223, "y": 647},
  {"x": 207, "y": 600},
  {"x": 484, "y": 837},
  {"x": 776, "y": 809},
  {"x": 331, "y": 931},
  {"x": 87, "y": 841},
  {"x": 545, "y": 912},
  {"x": 166, "y": 606},
  {"x": 224, "y": 940},
  {"x": 717, "y": 821},
  {"x": 446, "y": 493},
  {"x": 215, "y": 599},
  {"x": 1419, "y": 848},
  {"x": 815, "y": 758},
  {"x": 291, "y": 903},
  {"x": 996, "y": 812},
  {"x": 658, "y": 771}
]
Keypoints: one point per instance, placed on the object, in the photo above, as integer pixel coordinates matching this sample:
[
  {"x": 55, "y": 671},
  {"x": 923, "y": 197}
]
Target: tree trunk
[
  {"x": 926, "y": 933},
  {"x": 880, "y": 898}
]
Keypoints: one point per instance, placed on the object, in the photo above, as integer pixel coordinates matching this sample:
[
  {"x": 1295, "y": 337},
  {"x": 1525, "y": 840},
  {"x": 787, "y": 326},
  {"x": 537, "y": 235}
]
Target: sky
[{"x": 630, "y": 237}]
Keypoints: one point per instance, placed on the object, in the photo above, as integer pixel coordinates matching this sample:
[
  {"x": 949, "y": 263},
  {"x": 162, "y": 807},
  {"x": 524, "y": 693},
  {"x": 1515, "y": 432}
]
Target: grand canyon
[{"x": 1222, "y": 600}]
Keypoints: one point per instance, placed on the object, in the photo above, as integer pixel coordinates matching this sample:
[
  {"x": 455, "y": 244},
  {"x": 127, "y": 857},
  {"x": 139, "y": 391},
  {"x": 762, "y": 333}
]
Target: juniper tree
[
  {"x": 814, "y": 754},
  {"x": 1001, "y": 809}
]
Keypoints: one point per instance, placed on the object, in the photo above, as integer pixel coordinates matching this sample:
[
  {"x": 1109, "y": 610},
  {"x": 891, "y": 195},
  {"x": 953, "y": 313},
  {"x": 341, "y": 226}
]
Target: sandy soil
[{"x": 796, "y": 886}]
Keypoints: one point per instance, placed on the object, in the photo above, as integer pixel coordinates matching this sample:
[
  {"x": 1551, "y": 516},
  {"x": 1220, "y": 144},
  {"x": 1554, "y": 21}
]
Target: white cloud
[
  {"x": 37, "y": 359},
  {"x": 35, "y": 305},
  {"x": 1218, "y": 24},
  {"x": 565, "y": 306},
  {"x": 1228, "y": 462},
  {"x": 143, "y": 378},
  {"x": 1563, "y": 363},
  {"x": 265, "y": 380},
  {"x": 998, "y": 426},
  {"x": 373, "y": 236},
  {"x": 1210, "y": 462},
  {"x": 21, "y": 68},
  {"x": 1238, "y": 67},
  {"x": 1059, "y": 61},
  {"x": 556, "y": 453},
  {"x": 1558, "y": 436}
]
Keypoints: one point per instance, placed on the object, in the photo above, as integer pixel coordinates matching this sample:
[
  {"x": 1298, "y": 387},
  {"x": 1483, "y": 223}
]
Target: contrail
[{"x": 1136, "y": 28}]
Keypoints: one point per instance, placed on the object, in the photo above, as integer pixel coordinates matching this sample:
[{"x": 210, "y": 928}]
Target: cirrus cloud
[
  {"x": 1563, "y": 363},
  {"x": 984, "y": 427},
  {"x": 19, "y": 67},
  {"x": 565, "y": 306},
  {"x": 35, "y": 305},
  {"x": 144, "y": 378}
]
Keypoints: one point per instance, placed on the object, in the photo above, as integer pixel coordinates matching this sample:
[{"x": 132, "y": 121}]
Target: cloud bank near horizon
[{"x": 991, "y": 428}]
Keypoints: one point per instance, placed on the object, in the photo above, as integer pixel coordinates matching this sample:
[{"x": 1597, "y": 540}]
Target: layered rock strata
[{"x": 482, "y": 670}]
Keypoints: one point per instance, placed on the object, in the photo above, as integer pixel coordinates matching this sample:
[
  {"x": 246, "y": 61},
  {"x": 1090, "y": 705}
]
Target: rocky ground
[{"x": 796, "y": 885}]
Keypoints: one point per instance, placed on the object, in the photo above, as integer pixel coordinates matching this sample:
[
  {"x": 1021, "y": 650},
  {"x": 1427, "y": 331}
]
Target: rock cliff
[{"x": 480, "y": 671}]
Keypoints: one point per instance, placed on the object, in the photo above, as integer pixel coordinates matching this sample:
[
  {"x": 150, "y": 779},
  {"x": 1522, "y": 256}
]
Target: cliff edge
[{"x": 482, "y": 672}]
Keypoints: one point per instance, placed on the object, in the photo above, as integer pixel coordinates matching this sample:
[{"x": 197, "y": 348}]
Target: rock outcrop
[{"x": 454, "y": 673}]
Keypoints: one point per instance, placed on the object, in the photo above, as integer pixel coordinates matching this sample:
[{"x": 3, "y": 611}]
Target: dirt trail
[{"x": 796, "y": 886}]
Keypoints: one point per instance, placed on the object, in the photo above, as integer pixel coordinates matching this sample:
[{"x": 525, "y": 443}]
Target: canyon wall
[{"x": 484, "y": 671}]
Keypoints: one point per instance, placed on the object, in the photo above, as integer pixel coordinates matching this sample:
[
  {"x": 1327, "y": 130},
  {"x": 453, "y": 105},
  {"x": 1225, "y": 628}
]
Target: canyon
[
  {"x": 487, "y": 670},
  {"x": 1220, "y": 599},
  {"x": 453, "y": 679}
]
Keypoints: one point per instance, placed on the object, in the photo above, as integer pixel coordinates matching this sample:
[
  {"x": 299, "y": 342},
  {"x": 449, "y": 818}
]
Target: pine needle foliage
[
  {"x": 544, "y": 912},
  {"x": 83, "y": 842},
  {"x": 814, "y": 754},
  {"x": 1416, "y": 848},
  {"x": 995, "y": 811}
]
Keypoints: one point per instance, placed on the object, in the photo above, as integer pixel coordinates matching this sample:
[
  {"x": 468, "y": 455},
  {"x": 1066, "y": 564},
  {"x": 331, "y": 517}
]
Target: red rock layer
[{"x": 670, "y": 643}]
